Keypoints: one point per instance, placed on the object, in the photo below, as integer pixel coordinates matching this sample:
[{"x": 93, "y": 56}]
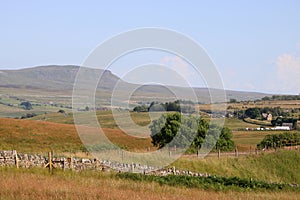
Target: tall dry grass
[{"x": 38, "y": 184}]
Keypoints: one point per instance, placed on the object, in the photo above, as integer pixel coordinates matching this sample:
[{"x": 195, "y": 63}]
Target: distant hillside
[
  {"x": 61, "y": 78},
  {"x": 49, "y": 77}
]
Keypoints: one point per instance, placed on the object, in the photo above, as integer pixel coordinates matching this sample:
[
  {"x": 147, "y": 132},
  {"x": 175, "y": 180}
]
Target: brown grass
[
  {"x": 24, "y": 184},
  {"x": 39, "y": 136},
  {"x": 42, "y": 136}
]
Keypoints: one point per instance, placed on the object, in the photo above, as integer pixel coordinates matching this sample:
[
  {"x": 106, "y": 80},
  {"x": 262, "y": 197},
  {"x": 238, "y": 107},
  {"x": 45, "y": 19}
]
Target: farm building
[{"x": 267, "y": 116}]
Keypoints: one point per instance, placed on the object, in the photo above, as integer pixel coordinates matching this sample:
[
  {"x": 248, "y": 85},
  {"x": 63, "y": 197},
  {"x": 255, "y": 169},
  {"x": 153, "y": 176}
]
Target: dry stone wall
[{"x": 12, "y": 158}]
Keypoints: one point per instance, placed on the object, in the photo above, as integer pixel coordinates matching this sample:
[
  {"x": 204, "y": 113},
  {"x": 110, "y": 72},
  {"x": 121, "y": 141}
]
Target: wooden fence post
[
  {"x": 219, "y": 154},
  {"x": 236, "y": 152},
  {"x": 15, "y": 154},
  {"x": 50, "y": 163},
  {"x": 64, "y": 164},
  {"x": 71, "y": 163}
]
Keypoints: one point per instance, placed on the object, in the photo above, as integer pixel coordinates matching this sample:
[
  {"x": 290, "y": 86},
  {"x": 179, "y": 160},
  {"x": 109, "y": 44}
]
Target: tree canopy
[
  {"x": 177, "y": 106},
  {"x": 255, "y": 113},
  {"x": 189, "y": 132}
]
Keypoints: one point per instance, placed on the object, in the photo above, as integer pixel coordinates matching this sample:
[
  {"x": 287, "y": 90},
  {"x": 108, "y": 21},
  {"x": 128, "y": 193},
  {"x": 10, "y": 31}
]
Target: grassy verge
[{"x": 282, "y": 166}]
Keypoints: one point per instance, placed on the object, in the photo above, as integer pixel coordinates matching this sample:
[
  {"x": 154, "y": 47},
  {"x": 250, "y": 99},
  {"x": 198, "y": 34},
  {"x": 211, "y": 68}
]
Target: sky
[{"x": 255, "y": 45}]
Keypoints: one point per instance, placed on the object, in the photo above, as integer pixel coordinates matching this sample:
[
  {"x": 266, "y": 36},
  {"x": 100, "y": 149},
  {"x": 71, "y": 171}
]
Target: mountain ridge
[{"x": 62, "y": 78}]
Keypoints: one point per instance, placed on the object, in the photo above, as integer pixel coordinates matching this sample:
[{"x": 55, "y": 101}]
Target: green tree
[
  {"x": 164, "y": 129},
  {"x": 232, "y": 101},
  {"x": 26, "y": 104},
  {"x": 253, "y": 113},
  {"x": 142, "y": 108},
  {"x": 202, "y": 130},
  {"x": 61, "y": 111},
  {"x": 225, "y": 143},
  {"x": 190, "y": 133}
]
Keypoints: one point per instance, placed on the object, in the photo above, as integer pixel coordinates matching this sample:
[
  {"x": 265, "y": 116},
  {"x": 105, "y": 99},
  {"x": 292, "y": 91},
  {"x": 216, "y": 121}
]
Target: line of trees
[
  {"x": 176, "y": 106},
  {"x": 279, "y": 121},
  {"x": 279, "y": 140},
  {"x": 256, "y": 112},
  {"x": 281, "y": 97}
]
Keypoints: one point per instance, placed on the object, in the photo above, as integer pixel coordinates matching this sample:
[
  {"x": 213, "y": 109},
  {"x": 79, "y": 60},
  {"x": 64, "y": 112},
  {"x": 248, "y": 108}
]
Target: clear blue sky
[{"x": 255, "y": 44}]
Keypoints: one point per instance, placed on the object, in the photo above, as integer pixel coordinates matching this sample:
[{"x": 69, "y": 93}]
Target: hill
[
  {"x": 52, "y": 77},
  {"x": 61, "y": 78}
]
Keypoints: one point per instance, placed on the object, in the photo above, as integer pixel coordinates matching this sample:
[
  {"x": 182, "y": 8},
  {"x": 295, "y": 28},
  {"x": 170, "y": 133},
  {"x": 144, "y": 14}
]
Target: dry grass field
[
  {"x": 39, "y": 136},
  {"x": 37, "y": 184}
]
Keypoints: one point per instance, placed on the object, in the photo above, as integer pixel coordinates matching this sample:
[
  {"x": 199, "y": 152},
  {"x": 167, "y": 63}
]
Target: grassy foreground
[
  {"x": 282, "y": 166},
  {"x": 38, "y": 184}
]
